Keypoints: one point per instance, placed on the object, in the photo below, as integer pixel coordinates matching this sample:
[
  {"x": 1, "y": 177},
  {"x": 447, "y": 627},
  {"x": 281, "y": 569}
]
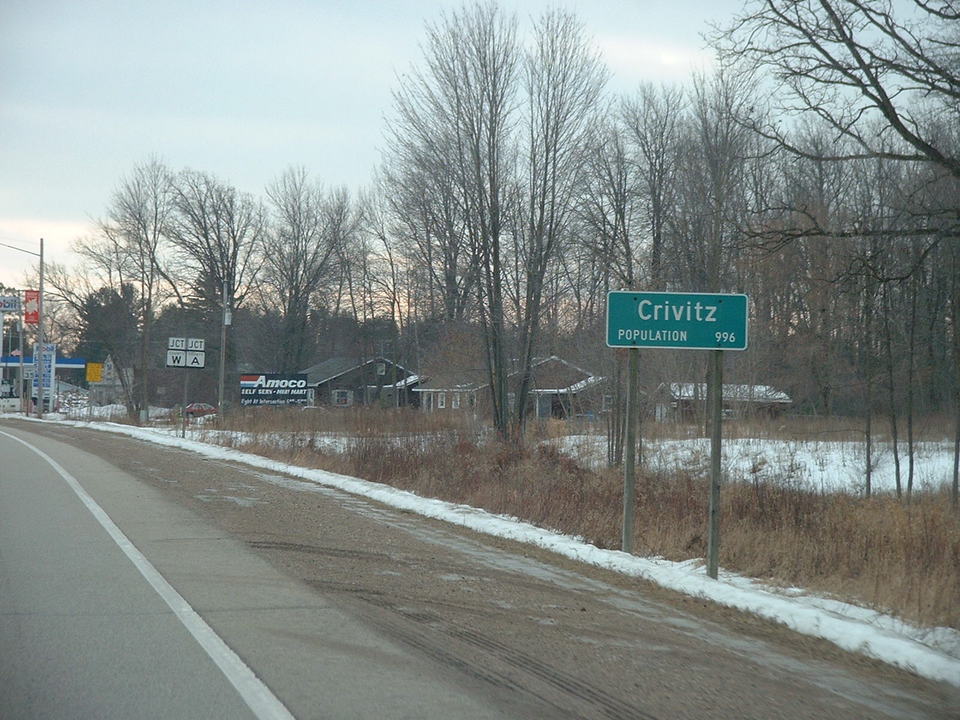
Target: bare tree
[
  {"x": 851, "y": 62},
  {"x": 218, "y": 231},
  {"x": 299, "y": 248},
  {"x": 130, "y": 248},
  {"x": 654, "y": 120},
  {"x": 421, "y": 190},
  {"x": 465, "y": 98},
  {"x": 563, "y": 80}
]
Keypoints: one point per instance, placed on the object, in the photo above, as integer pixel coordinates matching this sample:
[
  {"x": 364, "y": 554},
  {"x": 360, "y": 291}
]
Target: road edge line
[{"x": 258, "y": 697}]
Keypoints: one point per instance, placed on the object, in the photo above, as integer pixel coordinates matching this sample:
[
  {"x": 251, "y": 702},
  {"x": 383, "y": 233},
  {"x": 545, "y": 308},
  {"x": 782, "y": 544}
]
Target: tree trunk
[
  {"x": 955, "y": 297},
  {"x": 891, "y": 387},
  {"x": 912, "y": 344},
  {"x": 868, "y": 376}
]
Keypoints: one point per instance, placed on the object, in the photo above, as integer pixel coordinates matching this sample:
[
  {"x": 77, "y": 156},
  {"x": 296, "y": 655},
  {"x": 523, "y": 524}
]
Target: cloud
[
  {"x": 633, "y": 59},
  {"x": 58, "y": 236}
]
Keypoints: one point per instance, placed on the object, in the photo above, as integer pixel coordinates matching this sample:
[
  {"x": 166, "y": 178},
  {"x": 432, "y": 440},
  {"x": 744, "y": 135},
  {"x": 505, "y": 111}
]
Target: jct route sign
[
  {"x": 186, "y": 352},
  {"x": 684, "y": 321}
]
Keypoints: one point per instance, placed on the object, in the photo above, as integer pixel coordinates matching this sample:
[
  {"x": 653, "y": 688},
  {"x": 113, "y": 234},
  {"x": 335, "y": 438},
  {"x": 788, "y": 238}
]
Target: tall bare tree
[
  {"x": 653, "y": 120},
  {"x": 218, "y": 231},
  {"x": 465, "y": 99},
  {"x": 563, "y": 80},
  {"x": 130, "y": 248},
  {"x": 299, "y": 249}
]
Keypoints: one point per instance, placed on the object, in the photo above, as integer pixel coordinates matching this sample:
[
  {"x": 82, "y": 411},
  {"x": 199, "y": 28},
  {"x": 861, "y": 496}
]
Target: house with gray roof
[
  {"x": 557, "y": 389},
  {"x": 349, "y": 382},
  {"x": 683, "y": 401}
]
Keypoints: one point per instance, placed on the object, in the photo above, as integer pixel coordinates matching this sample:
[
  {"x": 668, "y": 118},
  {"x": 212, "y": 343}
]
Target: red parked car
[{"x": 200, "y": 409}]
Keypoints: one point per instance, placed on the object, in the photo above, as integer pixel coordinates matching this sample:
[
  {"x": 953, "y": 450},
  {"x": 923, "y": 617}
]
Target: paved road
[{"x": 207, "y": 589}]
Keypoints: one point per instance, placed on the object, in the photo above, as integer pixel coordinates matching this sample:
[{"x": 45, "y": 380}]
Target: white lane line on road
[{"x": 258, "y": 697}]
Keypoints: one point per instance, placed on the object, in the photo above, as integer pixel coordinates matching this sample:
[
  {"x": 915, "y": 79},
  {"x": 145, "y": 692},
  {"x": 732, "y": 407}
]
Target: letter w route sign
[{"x": 681, "y": 321}]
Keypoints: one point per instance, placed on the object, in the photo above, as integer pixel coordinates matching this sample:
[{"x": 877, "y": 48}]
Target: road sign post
[
  {"x": 716, "y": 420},
  {"x": 680, "y": 321},
  {"x": 630, "y": 450}
]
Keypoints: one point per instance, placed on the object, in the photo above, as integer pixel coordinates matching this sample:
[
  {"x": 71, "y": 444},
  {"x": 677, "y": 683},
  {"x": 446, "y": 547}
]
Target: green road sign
[{"x": 683, "y": 321}]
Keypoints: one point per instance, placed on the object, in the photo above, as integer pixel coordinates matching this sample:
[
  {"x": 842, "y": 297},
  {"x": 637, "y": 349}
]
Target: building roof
[
  {"x": 575, "y": 388},
  {"x": 763, "y": 394},
  {"x": 334, "y": 367},
  {"x": 551, "y": 375},
  {"x": 406, "y": 382},
  {"x": 449, "y": 381}
]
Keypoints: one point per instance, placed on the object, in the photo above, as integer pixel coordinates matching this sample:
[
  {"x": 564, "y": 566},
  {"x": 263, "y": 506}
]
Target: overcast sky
[{"x": 241, "y": 89}]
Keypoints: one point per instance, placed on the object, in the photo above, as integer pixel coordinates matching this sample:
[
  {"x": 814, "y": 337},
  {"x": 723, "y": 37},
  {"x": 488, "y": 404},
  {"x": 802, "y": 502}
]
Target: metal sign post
[
  {"x": 681, "y": 321},
  {"x": 183, "y": 407},
  {"x": 716, "y": 435},
  {"x": 630, "y": 450},
  {"x": 3, "y": 334}
]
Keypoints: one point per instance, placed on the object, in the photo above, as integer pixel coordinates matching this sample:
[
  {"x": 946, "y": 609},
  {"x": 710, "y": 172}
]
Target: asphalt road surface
[{"x": 138, "y": 581}]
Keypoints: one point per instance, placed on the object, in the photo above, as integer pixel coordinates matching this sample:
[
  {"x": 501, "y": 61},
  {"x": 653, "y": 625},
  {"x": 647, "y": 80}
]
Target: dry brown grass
[
  {"x": 886, "y": 554},
  {"x": 880, "y": 552},
  {"x": 354, "y": 421}
]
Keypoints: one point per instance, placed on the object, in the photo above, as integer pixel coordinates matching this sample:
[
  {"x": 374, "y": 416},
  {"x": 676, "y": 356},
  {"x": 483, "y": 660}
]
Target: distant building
[
  {"x": 685, "y": 401},
  {"x": 558, "y": 389},
  {"x": 348, "y": 382},
  {"x": 112, "y": 387}
]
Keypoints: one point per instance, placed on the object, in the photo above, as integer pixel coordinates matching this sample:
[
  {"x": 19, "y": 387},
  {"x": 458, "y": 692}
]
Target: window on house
[
  {"x": 455, "y": 401},
  {"x": 606, "y": 405},
  {"x": 441, "y": 400},
  {"x": 472, "y": 399}
]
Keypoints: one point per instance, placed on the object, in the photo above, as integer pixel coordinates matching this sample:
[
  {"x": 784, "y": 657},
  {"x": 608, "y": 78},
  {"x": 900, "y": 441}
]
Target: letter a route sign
[{"x": 682, "y": 321}]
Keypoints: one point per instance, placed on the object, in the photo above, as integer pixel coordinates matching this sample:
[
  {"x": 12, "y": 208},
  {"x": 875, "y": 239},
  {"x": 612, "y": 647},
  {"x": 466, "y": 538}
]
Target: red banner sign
[{"x": 31, "y": 306}]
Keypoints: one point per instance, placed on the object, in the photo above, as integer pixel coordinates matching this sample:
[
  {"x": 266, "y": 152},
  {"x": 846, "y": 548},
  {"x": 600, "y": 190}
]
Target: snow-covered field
[
  {"x": 826, "y": 466},
  {"x": 930, "y": 652}
]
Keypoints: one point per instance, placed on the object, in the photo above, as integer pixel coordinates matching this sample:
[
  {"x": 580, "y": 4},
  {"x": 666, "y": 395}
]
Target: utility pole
[
  {"x": 38, "y": 361},
  {"x": 227, "y": 319}
]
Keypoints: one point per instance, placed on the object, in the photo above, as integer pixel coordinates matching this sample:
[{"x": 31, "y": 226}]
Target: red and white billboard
[{"x": 31, "y": 306}]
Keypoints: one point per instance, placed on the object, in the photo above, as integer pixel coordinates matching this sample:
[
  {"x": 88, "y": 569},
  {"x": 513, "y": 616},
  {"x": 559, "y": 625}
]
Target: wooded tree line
[{"x": 815, "y": 168}]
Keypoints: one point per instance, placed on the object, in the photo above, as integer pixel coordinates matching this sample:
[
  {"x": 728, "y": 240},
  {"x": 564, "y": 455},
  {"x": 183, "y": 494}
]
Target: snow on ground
[
  {"x": 827, "y": 466},
  {"x": 324, "y": 442},
  {"x": 933, "y": 653},
  {"x": 103, "y": 412}
]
